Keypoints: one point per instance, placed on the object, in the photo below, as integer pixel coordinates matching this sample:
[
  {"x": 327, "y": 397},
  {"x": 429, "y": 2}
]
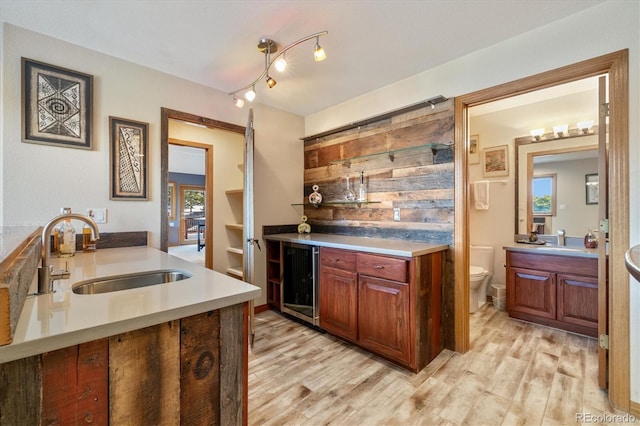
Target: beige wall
[{"x": 39, "y": 179}]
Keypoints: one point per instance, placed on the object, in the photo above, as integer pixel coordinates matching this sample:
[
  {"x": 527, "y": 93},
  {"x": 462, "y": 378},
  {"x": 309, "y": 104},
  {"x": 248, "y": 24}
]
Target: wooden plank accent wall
[{"x": 419, "y": 180}]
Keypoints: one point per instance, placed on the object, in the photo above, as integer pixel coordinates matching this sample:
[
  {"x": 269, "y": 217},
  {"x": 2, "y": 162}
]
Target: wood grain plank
[
  {"x": 200, "y": 369},
  {"x": 152, "y": 395},
  {"x": 20, "y": 395},
  {"x": 233, "y": 359}
]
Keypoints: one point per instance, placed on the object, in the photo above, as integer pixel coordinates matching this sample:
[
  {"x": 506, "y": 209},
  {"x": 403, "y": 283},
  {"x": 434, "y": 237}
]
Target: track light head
[
  {"x": 271, "y": 82},
  {"x": 318, "y": 53},
  {"x": 250, "y": 94},
  {"x": 281, "y": 64},
  {"x": 238, "y": 102}
]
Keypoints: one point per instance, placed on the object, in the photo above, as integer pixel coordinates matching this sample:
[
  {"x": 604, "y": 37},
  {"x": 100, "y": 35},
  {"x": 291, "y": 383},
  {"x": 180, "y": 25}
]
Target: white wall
[
  {"x": 39, "y": 179},
  {"x": 606, "y": 28}
]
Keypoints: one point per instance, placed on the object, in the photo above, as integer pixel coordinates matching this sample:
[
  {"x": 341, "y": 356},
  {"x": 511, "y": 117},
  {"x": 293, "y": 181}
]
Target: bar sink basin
[{"x": 128, "y": 281}]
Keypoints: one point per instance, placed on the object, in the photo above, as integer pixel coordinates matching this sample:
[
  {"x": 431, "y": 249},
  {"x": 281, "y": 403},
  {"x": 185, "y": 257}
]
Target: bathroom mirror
[{"x": 560, "y": 198}]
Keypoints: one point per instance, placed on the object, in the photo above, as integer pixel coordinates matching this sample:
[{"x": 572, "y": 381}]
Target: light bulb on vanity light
[
  {"x": 537, "y": 133},
  {"x": 561, "y": 130},
  {"x": 585, "y": 126}
]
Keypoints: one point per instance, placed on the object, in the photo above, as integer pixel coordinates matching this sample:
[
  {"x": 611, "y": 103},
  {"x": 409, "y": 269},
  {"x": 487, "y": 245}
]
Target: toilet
[{"x": 480, "y": 273}]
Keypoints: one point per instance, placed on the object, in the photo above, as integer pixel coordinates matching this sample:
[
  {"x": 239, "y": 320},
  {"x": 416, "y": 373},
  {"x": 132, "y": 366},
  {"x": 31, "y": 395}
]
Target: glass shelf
[
  {"x": 337, "y": 203},
  {"x": 391, "y": 154}
]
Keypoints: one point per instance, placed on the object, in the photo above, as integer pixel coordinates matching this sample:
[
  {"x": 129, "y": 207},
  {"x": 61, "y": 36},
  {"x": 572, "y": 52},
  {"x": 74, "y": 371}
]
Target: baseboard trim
[
  {"x": 260, "y": 308},
  {"x": 634, "y": 408}
]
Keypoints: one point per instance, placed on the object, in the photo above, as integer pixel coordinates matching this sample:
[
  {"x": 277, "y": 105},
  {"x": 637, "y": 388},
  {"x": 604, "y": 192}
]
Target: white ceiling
[{"x": 371, "y": 43}]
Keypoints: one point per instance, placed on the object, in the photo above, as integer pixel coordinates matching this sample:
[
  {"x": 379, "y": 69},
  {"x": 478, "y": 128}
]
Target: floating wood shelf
[
  {"x": 233, "y": 191},
  {"x": 237, "y": 226}
]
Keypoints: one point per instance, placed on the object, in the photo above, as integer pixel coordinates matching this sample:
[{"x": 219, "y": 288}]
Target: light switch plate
[
  {"x": 99, "y": 214},
  {"x": 396, "y": 214}
]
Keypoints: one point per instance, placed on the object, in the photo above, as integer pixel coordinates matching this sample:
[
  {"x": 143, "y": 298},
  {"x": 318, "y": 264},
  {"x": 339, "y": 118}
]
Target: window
[{"x": 544, "y": 195}]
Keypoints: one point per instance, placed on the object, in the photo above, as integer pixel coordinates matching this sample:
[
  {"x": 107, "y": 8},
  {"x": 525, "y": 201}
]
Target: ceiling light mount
[{"x": 268, "y": 47}]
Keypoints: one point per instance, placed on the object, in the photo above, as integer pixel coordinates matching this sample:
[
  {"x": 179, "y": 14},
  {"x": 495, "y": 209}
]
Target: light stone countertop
[
  {"x": 61, "y": 319},
  {"x": 572, "y": 250},
  {"x": 370, "y": 245}
]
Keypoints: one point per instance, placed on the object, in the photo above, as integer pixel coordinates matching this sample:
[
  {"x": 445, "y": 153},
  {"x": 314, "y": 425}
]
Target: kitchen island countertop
[
  {"x": 63, "y": 318},
  {"x": 365, "y": 244}
]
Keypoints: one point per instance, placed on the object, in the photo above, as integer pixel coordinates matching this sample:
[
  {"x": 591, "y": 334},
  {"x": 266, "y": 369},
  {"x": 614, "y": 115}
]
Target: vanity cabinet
[
  {"x": 555, "y": 290},
  {"x": 386, "y": 304}
]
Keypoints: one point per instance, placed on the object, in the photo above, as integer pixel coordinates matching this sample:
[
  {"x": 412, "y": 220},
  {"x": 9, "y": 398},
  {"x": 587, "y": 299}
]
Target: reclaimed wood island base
[
  {"x": 174, "y": 353},
  {"x": 170, "y": 373}
]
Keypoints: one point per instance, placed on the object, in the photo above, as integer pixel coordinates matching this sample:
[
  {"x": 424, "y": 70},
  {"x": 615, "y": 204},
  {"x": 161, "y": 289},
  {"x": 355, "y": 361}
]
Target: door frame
[
  {"x": 616, "y": 66},
  {"x": 165, "y": 115}
]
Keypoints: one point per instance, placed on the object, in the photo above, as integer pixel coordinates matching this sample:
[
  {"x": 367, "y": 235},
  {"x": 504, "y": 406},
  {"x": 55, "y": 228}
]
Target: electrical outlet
[
  {"x": 99, "y": 214},
  {"x": 396, "y": 214}
]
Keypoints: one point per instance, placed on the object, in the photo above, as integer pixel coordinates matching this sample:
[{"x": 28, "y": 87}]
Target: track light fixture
[{"x": 268, "y": 46}]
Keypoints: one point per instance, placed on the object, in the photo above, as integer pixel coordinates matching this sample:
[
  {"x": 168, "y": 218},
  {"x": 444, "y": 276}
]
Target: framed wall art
[
  {"x": 592, "y": 188},
  {"x": 474, "y": 149},
  {"x": 56, "y": 105},
  {"x": 128, "y": 174},
  {"x": 495, "y": 161}
]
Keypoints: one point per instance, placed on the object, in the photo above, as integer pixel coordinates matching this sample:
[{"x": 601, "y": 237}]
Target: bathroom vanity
[
  {"x": 148, "y": 355},
  {"x": 553, "y": 286}
]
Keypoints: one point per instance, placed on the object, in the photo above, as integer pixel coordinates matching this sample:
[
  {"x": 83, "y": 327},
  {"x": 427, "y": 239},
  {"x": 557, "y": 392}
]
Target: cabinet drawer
[
  {"x": 382, "y": 267},
  {"x": 336, "y": 258}
]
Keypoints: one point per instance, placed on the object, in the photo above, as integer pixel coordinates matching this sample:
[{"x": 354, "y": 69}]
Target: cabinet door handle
[{"x": 378, "y": 267}]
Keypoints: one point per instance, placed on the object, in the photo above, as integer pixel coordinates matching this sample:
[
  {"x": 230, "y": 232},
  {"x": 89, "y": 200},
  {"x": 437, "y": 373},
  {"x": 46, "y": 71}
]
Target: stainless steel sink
[{"x": 128, "y": 281}]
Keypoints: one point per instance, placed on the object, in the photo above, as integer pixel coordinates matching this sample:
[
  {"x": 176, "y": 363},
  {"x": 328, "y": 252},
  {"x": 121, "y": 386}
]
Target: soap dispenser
[{"x": 590, "y": 240}]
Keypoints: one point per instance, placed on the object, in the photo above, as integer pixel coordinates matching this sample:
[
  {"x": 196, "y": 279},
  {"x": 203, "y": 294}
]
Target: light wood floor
[{"x": 516, "y": 373}]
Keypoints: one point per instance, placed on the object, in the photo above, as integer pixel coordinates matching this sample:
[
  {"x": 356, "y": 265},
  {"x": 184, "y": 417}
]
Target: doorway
[
  {"x": 616, "y": 66},
  {"x": 202, "y": 125}
]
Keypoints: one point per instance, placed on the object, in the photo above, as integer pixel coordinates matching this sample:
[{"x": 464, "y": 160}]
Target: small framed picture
[
  {"x": 474, "y": 149},
  {"x": 495, "y": 161},
  {"x": 128, "y": 175},
  {"x": 56, "y": 105},
  {"x": 591, "y": 188}
]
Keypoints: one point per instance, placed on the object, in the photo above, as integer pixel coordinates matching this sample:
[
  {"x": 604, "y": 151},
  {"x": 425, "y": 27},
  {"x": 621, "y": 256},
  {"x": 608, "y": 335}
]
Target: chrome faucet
[
  {"x": 561, "y": 234},
  {"x": 46, "y": 274}
]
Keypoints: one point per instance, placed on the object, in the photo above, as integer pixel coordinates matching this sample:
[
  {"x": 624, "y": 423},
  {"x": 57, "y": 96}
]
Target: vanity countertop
[
  {"x": 632, "y": 260},
  {"x": 365, "y": 244},
  {"x": 574, "y": 251},
  {"x": 61, "y": 319}
]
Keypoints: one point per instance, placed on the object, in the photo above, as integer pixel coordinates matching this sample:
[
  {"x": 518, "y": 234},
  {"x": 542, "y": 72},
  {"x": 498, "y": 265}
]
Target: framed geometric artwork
[
  {"x": 128, "y": 174},
  {"x": 495, "y": 161},
  {"x": 56, "y": 105}
]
